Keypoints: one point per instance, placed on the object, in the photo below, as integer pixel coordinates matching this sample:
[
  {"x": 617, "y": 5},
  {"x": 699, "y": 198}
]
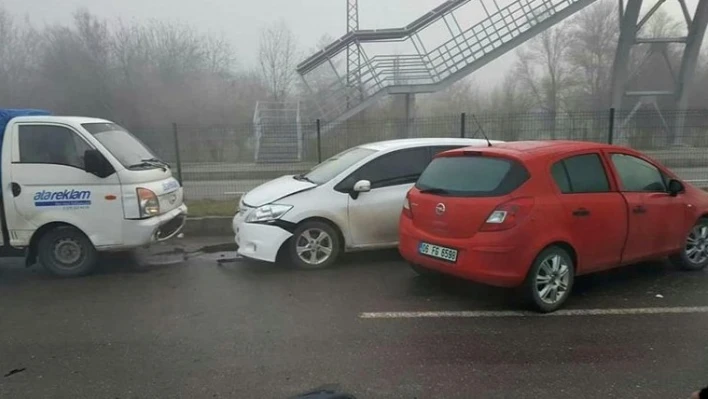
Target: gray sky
[{"x": 240, "y": 20}]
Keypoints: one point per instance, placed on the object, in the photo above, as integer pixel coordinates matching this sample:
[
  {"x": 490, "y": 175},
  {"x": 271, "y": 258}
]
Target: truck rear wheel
[{"x": 67, "y": 252}]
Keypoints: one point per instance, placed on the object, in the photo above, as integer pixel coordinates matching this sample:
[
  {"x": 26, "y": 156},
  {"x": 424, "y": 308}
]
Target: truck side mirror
[
  {"x": 675, "y": 187},
  {"x": 96, "y": 164}
]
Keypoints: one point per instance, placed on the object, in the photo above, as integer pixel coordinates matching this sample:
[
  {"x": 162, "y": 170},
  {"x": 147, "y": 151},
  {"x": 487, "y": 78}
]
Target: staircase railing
[{"x": 466, "y": 49}]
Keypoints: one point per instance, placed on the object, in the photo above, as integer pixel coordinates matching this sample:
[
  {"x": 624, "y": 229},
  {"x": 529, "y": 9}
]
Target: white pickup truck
[{"x": 73, "y": 186}]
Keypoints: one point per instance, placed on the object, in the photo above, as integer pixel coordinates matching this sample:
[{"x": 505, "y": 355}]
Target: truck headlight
[
  {"x": 268, "y": 213},
  {"x": 148, "y": 203}
]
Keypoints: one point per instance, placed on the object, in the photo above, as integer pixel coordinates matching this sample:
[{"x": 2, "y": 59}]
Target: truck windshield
[{"x": 127, "y": 149}]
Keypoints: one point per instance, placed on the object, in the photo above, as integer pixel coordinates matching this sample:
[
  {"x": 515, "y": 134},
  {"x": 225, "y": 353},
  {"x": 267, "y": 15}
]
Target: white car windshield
[
  {"x": 127, "y": 149},
  {"x": 337, "y": 164}
]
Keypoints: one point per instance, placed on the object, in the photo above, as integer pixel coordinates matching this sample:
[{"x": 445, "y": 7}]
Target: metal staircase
[
  {"x": 278, "y": 132},
  {"x": 473, "y": 32}
]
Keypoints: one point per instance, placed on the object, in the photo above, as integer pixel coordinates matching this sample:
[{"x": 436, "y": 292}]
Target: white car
[{"x": 349, "y": 202}]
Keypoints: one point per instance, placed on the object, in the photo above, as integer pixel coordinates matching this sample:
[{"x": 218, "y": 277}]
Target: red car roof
[{"x": 533, "y": 149}]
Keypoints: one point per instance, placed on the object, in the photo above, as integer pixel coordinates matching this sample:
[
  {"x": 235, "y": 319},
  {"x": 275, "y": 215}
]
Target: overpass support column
[
  {"x": 620, "y": 69},
  {"x": 694, "y": 40}
]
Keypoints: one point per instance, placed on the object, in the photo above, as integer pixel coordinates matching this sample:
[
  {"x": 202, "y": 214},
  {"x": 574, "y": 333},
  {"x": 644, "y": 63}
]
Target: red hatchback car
[{"x": 535, "y": 214}]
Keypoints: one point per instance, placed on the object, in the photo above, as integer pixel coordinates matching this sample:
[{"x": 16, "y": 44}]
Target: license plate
[{"x": 436, "y": 251}]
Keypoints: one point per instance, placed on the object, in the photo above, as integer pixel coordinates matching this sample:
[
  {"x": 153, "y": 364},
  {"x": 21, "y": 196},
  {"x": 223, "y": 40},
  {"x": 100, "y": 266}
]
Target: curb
[{"x": 209, "y": 226}]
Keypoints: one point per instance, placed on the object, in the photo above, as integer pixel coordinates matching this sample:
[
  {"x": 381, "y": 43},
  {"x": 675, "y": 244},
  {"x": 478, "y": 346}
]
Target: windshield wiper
[
  {"x": 434, "y": 190},
  {"x": 152, "y": 162},
  {"x": 156, "y": 161}
]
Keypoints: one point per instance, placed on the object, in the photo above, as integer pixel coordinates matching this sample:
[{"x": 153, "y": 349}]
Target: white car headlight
[{"x": 268, "y": 213}]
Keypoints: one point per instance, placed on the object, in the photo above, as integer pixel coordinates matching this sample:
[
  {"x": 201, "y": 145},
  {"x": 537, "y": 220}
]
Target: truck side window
[{"x": 47, "y": 144}]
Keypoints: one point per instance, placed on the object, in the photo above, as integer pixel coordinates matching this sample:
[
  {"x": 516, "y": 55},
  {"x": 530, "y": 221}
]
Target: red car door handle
[
  {"x": 580, "y": 212},
  {"x": 639, "y": 209}
]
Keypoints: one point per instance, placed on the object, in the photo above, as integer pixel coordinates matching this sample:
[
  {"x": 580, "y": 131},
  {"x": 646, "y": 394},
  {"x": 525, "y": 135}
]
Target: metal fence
[{"x": 217, "y": 162}]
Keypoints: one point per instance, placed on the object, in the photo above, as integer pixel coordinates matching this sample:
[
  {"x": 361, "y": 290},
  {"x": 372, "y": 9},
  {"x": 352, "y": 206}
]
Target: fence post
[
  {"x": 463, "y": 118},
  {"x": 612, "y": 126},
  {"x": 319, "y": 143},
  {"x": 175, "y": 134}
]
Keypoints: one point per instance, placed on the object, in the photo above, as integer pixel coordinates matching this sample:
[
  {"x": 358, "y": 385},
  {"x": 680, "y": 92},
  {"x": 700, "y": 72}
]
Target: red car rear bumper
[{"x": 486, "y": 258}]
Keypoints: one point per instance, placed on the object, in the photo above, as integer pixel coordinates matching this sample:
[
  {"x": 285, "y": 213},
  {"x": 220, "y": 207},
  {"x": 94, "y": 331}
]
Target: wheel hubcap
[
  {"x": 697, "y": 244},
  {"x": 552, "y": 279},
  {"x": 314, "y": 246},
  {"x": 67, "y": 251}
]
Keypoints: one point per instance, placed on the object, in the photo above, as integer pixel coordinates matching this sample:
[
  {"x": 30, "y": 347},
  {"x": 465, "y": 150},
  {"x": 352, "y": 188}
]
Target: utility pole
[{"x": 353, "y": 54}]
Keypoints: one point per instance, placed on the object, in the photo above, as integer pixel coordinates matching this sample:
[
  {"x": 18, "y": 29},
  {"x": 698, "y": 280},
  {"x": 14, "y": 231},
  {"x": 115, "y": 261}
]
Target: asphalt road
[
  {"x": 196, "y": 329},
  {"x": 224, "y": 189}
]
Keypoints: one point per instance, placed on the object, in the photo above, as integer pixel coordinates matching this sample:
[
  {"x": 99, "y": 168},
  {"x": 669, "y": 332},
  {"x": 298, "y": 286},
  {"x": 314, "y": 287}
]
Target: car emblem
[
  {"x": 173, "y": 198},
  {"x": 440, "y": 208}
]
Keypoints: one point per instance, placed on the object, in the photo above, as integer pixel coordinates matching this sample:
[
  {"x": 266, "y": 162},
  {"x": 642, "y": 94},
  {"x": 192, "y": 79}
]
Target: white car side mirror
[{"x": 362, "y": 186}]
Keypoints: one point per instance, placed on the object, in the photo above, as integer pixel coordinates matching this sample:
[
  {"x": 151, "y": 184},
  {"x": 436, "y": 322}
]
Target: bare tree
[
  {"x": 277, "y": 58},
  {"x": 321, "y": 82},
  {"x": 507, "y": 102},
  {"x": 20, "y": 49},
  {"x": 543, "y": 69},
  {"x": 594, "y": 34},
  {"x": 76, "y": 66},
  {"x": 463, "y": 96},
  {"x": 219, "y": 55}
]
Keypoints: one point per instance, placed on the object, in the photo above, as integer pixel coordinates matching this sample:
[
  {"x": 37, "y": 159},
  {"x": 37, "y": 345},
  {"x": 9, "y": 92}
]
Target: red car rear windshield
[{"x": 472, "y": 176}]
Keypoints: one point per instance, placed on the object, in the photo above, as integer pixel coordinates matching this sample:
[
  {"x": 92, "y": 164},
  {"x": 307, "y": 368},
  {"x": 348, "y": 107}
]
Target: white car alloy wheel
[{"x": 315, "y": 245}]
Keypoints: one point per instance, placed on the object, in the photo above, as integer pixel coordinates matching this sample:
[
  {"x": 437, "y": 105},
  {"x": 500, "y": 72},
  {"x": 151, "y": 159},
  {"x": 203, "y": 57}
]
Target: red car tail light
[
  {"x": 508, "y": 214},
  {"x": 407, "y": 208}
]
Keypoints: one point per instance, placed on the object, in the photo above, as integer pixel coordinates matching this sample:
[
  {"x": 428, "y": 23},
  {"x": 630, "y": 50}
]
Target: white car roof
[
  {"x": 71, "y": 120},
  {"x": 420, "y": 142}
]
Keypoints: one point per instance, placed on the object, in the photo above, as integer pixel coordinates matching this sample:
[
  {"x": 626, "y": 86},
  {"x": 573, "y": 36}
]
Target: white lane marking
[{"x": 511, "y": 313}]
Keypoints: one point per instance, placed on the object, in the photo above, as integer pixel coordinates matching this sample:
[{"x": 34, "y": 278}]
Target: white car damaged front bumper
[{"x": 260, "y": 241}]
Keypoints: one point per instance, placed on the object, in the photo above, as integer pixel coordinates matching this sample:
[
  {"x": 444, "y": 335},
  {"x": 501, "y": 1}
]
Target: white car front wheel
[{"x": 314, "y": 245}]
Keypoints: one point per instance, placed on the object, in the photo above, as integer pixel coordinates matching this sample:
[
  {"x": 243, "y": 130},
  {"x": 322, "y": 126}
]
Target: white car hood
[{"x": 275, "y": 190}]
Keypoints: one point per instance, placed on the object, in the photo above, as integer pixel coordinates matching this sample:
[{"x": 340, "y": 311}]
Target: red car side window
[
  {"x": 637, "y": 175},
  {"x": 581, "y": 174}
]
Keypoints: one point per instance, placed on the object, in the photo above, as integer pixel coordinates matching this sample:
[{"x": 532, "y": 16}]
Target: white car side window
[{"x": 399, "y": 167}]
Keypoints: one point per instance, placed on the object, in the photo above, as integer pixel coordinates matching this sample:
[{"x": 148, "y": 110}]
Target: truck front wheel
[{"x": 67, "y": 252}]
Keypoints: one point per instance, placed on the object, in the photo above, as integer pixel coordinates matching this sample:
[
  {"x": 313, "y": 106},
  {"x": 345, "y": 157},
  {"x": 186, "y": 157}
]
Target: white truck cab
[{"x": 73, "y": 186}]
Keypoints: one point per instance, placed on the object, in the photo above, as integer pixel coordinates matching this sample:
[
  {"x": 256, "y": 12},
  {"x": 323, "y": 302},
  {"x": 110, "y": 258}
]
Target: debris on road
[{"x": 15, "y": 371}]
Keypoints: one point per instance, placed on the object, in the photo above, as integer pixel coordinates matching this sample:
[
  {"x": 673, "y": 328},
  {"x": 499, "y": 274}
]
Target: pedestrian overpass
[{"x": 461, "y": 36}]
